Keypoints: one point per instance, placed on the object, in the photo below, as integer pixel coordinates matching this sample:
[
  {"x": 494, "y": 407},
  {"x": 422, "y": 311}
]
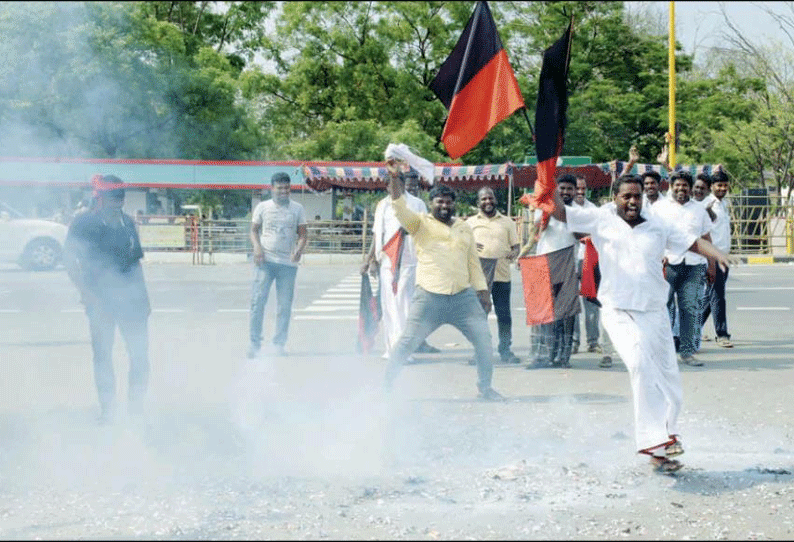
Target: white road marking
[
  {"x": 328, "y": 309},
  {"x": 168, "y": 310},
  {"x": 72, "y": 310},
  {"x": 10, "y": 311},
  {"x": 233, "y": 310},
  {"x": 324, "y": 317},
  {"x": 759, "y": 288},
  {"x": 340, "y": 296},
  {"x": 763, "y": 308}
]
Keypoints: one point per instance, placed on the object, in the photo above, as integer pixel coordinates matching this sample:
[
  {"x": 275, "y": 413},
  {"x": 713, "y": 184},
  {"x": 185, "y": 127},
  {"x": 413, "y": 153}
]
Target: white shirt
[
  {"x": 647, "y": 207},
  {"x": 630, "y": 259},
  {"x": 385, "y": 225},
  {"x": 721, "y": 227},
  {"x": 279, "y": 229},
  {"x": 556, "y": 236},
  {"x": 586, "y": 205},
  {"x": 693, "y": 218}
]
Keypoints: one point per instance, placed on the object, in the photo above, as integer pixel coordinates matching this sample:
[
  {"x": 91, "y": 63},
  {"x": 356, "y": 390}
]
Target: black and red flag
[
  {"x": 476, "y": 84},
  {"x": 550, "y": 117},
  {"x": 368, "y": 316},
  {"x": 551, "y": 289}
]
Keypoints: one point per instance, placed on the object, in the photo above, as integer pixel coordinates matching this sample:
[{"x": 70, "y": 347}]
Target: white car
[{"x": 34, "y": 244}]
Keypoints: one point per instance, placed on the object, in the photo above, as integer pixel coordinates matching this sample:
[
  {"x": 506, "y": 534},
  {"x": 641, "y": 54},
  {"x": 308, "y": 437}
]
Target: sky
[{"x": 699, "y": 24}]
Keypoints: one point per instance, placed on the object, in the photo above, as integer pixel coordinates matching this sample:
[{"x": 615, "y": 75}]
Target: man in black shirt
[{"x": 102, "y": 258}]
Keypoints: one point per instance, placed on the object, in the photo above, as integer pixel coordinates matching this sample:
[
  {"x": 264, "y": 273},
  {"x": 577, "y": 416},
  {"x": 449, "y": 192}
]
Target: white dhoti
[
  {"x": 644, "y": 342},
  {"x": 395, "y": 306}
]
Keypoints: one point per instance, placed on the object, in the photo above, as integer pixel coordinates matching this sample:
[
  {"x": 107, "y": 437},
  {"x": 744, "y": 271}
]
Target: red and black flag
[
  {"x": 551, "y": 289},
  {"x": 476, "y": 84},
  {"x": 368, "y": 316},
  {"x": 550, "y": 117},
  {"x": 591, "y": 273}
]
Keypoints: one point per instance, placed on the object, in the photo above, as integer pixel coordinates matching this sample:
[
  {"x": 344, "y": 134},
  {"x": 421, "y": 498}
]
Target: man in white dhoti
[
  {"x": 396, "y": 278},
  {"x": 633, "y": 295}
]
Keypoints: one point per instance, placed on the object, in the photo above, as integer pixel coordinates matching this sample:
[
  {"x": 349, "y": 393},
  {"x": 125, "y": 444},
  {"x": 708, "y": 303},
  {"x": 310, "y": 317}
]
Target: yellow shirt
[
  {"x": 447, "y": 261},
  {"x": 497, "y": 235}
]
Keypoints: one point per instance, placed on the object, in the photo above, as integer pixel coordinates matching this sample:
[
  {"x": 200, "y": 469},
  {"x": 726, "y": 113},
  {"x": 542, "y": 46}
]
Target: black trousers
[{"x": 500, "y": 294}]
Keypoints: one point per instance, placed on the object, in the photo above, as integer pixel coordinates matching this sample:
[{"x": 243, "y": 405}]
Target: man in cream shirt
[{"x": 497, "y": 244}]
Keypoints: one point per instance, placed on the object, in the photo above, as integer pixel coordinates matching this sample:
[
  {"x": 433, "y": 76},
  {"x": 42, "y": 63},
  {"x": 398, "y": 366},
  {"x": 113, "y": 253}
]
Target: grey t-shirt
[{"x": 279, "y": 229}]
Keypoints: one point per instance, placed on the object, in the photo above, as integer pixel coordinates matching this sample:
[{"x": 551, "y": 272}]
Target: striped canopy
[
  {"x": 708, "y": 169},
  {"x": 376, "y": 178}
]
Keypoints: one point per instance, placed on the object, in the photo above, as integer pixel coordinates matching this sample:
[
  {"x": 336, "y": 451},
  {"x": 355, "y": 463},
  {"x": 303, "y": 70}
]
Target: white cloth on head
[
  {"x": 394, "y": 307},
  {"x": 630, "y": 259},
  {"x": 401, "y": 151},
  {"x": 644, "y": 342}
]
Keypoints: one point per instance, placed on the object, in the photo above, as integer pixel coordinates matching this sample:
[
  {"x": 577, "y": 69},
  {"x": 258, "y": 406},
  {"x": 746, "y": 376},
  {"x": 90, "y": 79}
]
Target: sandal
[
  {"x": 664, "y": 465},
  {"x": 673, "y": 448}
]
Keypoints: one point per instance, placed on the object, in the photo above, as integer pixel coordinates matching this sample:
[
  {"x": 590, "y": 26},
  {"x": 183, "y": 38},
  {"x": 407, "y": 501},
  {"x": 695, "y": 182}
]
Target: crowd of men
[{"x": 435, "y": 268}]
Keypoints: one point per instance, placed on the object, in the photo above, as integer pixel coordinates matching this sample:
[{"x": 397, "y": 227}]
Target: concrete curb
[
  {"x": 223, "y": 258},
  {"x": 764, "y": 259}
]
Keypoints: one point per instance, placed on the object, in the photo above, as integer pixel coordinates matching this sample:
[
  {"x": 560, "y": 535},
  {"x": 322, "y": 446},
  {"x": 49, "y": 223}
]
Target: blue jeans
[
  {"x": 591, "y": 318},
  {"x": 284, "y": 275},
  {"x": 428, "y": 312},
  {"x": 686, "y": 284},
  {"x": 102, "y": 320},
  {"x": 715, "y": 304}
]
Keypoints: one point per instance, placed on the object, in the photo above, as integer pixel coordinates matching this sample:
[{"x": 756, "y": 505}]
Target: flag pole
[{"x": 671, "y": 87}]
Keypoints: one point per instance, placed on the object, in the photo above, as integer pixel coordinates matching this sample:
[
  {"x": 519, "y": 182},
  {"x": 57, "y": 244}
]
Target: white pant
[
  {"x": 644, "y": 342},
  {"x": 395, "y": 306}
]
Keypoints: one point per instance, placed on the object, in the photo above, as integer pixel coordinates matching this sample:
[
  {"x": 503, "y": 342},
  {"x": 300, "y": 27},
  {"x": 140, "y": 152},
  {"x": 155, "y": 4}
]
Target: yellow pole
[{"x": 671, "y": 85}]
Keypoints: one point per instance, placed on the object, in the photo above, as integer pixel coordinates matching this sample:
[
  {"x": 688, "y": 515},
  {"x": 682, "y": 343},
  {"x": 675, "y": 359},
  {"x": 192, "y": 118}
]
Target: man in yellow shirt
[
  {"x": 448, "y": 273},
  {"x": 497, "y": 245}
]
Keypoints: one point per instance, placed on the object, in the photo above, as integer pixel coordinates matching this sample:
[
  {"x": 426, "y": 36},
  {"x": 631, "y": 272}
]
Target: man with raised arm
[
  {"x": 450, "y": 284},
  {"x": 633, "y": 295}
]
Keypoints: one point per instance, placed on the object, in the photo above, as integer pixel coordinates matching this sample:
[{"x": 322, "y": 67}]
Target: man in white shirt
[
  {"x": 590, "y": 308},
  {"x": 721, "y": 237},
  {"x": 278, "y": 235},
  {"x": 633, "y": 294},
  {"x": 651, "y": 194},
  {"x": 551, "y": 343},
  {"x": 396, "y": 279},
  {"x": 701, "y": 193},
  {"x": 686, "y": 273}
]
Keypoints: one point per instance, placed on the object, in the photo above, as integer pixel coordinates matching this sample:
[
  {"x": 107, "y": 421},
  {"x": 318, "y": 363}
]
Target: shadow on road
[{"x": 719, "y": 482}]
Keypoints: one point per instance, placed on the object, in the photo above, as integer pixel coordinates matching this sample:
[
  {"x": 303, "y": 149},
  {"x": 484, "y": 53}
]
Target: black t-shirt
[{"x": 104, "y": 246}]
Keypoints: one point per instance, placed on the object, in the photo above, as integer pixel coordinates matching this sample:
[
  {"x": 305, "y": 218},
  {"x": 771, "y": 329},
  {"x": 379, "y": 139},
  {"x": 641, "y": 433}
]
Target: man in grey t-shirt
[{"x": 278, "y": 235}]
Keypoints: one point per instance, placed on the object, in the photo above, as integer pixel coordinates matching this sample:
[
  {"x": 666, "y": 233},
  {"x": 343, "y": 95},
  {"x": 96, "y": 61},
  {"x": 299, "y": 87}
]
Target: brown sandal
[{"x": 673, "y": 448}]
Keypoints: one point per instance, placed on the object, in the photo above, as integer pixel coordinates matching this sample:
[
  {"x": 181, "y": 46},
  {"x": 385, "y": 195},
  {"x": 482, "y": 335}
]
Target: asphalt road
[{"x": 306, "y": 446}]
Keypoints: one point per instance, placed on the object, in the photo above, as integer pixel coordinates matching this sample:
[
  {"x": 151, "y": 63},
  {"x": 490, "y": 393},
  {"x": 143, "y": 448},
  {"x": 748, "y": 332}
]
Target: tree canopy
[{"x": 340, "y": 80}]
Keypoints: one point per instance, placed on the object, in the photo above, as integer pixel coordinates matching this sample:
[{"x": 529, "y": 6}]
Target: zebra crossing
[{"x": 339, "y": 302}]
